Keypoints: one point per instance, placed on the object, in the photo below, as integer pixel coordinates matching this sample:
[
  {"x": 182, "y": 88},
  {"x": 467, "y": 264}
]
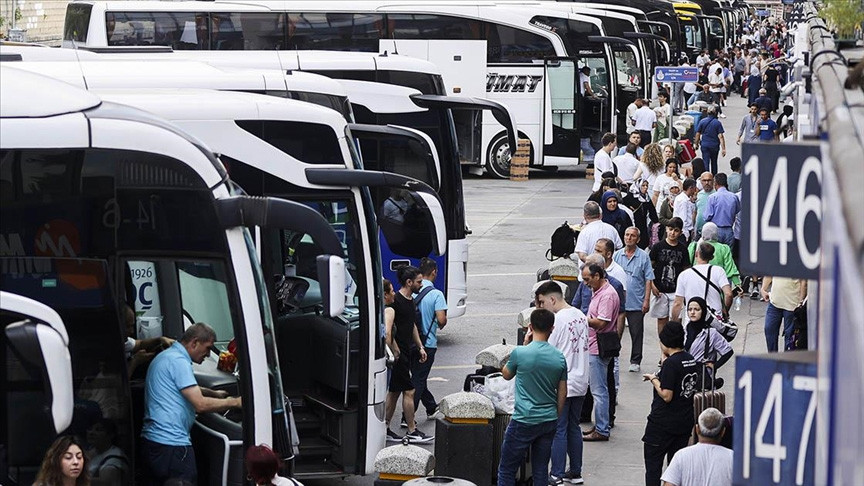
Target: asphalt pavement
[{"x": 511, "y": 223}]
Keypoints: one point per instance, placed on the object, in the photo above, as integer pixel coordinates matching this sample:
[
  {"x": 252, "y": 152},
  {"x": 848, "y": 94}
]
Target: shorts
[
  {"x": 400, "y": 379},
  {"x": 661, "y": 305}
]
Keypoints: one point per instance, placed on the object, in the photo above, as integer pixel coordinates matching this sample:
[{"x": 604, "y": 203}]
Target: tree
[{"x": 844, "y": 15}]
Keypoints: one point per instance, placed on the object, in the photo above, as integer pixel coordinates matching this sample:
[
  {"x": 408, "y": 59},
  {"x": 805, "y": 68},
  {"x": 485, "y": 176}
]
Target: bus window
[
  {"x": 506, "y": 44},
  {"x": 599, "y": 76},
  {"x": 311, "y": 143},
  {"x": 180, "y": 30},
  {"x": 335, "y": 31},
  {"x": 204, "y": 298},
  {"x": 77, "y": 22},
  {"x": 247, "y": 31},
  {"x": 427, "y": 26},
  {"x": 629, "y": 73}
]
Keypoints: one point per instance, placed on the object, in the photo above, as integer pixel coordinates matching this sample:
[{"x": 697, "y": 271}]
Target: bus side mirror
[
  {"x": 331, "y": 278},
  {"x": 43, "y": 352}
]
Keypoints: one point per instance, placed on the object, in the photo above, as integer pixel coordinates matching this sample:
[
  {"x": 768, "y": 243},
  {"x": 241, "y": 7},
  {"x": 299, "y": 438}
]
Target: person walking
[
  {"x": 603, "y": 160},
  {"x": 640, "y": 276},
  {"x": 703, "y": 280},
  {"x": 721, "y": 209},
  {"x": 592, "y": 230},
  {"x": 668, "y": 259},
  {"x": 541, "y": 392},
  {"x": 705, "y": 344},
  {"x": 671, "y": 419},
  {"x": 709, "y": 136},
  {"x": 706, "y": 180},
  {"x": 614, "y": 215},
  {"x": 570, "y": 336},
  {"x": 645, "y": 120},
  {"x": 722, "y": 253},
  {"x": 685, "y": 208},
  {"x": 433, "y": 314},
  {"x": 766, "y": 128},
  {"x": 747, "y": 130},
  {"x": 706, "y": 463},
  {"x": 784, "y": 295}
]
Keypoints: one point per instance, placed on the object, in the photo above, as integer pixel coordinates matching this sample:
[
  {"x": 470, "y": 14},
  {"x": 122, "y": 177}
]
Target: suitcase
[
  {"x": 688, "y": 153},
  {"x": 707, "y": 399}
]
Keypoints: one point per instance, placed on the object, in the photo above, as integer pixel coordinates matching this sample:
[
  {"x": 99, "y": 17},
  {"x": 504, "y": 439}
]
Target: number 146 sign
[{"x": 781, "y": 209}]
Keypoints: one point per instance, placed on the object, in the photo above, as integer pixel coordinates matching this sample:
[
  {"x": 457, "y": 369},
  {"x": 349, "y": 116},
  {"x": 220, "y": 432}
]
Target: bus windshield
[{"x": 629, "y": 74}]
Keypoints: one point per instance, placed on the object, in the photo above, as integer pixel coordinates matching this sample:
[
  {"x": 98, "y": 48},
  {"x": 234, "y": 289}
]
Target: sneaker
[
  {"x": 634, "y": 368},
  {"x": 403, "y": 424},
  {"x": 721, "y": 115},
  {"x": 573, "y": 478},
  {"x": 393, "y": 436},
  {"x": 418, "y": 437},
  {"x": 555, "y": 481},
  {"x": 432, "y": 414}
]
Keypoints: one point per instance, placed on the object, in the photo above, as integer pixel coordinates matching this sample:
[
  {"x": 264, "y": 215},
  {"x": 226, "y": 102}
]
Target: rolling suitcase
[{"x": 707, "y": 399}]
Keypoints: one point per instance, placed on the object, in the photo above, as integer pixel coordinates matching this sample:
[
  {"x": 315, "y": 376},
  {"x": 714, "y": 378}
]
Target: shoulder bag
[{"x": 721, "y": 322}]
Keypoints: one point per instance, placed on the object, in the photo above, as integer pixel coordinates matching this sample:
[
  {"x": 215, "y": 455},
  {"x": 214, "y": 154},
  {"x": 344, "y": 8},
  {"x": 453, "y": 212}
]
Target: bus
[
  {"x": 97, "y": 196},
  {"x": 485, "y": 49}
]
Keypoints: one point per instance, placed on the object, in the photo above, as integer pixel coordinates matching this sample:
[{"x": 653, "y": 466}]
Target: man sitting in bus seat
[
  {"x": 172, "y": 397},
  {"x": 585, "y": 81}
]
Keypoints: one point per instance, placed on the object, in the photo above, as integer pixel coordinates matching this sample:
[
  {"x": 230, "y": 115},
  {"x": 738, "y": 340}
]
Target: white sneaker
[
  {"x": 634, "y": 368},
  {"x": 721, "y": 115}
]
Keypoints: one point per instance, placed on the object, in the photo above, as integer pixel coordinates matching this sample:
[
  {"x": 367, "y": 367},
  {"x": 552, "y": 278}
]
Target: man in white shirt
[
  {"x": 585, "y": 81},
  {"x": 570, "y": 336},
  {"x": 706, "y": 463},
  {"x": 603, "y": 159},
  {"x": 718, "y": 86},
  {"x": 644, "y": 121},
  {"x": 685, "y": 207},
  {"x": 702, "y": 59},
  {"x": 627, "y": 163},
  {"x": 702, "y": 280},
  {"x": 631, "y": 113},
  {"x": 592, "y": 230}
]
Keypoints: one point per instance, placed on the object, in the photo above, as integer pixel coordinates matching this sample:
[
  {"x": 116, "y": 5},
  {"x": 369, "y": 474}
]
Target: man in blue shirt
[
  {"x": 721, "y": 210},
  {"x": 709, "y": 135},
  {"x": 172, "y": 397},
  {"x": 766, "y": 129},
  {"x": 433, "y": 312},
  {"x": 541, "y": 390},
  {"x": 640, "y": 276}
]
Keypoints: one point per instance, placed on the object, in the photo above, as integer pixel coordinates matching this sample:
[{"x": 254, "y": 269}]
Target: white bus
[
  {"x": 483, "y": 49},
  {"x": 98, "y": 197}
]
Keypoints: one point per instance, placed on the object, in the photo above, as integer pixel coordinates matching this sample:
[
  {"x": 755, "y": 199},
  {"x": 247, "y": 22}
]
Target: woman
[
  {"x": 671, "y": 175},
  {"x": 667, "y": 207},
  {"x": 662, "y": 112},
  {"x": 262, "y": 465},
  {"x": 108, "y": 464},
  {"x": 605, "y": 185},
  {"x": 644, "y": 213},
  {"x": 650, "y": 165},
  {"x": 670, "y": 422},
  {"x": 613, "y": 215},
  {"x": 704, "y": 343},
  {"x": 64, "y": 464}
]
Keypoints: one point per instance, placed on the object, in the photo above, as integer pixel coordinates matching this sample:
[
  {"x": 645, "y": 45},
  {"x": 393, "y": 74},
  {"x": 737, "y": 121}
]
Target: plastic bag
[{"x": 502, "y": 392}]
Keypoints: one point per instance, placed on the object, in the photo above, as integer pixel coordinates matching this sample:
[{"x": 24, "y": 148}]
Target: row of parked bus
[{"x": 152, "y": 166}]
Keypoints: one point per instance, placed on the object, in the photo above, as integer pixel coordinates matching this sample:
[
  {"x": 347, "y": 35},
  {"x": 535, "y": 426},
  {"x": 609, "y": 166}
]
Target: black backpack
[
  {"x": 418, "y": 316},
  {"x": 563, "y": 242}
]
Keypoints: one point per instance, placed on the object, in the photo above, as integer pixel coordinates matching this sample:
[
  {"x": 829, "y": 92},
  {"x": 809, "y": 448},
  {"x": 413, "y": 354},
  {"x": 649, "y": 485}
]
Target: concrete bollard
[
  {"x": 463, "y": 438},
  {"x": 400, "y": 463},
  {"x": 494, "y": 356}
]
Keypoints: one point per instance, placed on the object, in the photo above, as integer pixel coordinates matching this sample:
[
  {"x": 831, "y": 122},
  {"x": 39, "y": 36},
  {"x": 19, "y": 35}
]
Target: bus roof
[{"x": 29, "y": 95}]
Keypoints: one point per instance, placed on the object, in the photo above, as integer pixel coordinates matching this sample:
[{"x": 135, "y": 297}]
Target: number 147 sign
[{"x": 781, "y": 209}]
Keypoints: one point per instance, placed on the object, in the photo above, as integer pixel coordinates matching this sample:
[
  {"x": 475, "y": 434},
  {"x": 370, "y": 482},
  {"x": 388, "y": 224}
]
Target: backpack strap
[
  {"x": 417, "y": 300},
  {"x": 710, "y": 285}
]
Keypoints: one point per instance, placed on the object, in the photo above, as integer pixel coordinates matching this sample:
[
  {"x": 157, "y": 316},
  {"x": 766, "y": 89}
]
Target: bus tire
[{"x": 498, "y": 156}]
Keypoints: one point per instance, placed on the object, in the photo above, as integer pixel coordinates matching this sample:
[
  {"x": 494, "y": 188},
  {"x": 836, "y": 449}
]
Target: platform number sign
[
  {"x": 781, "y": 209},
  {"x": 775, "y": 414}
]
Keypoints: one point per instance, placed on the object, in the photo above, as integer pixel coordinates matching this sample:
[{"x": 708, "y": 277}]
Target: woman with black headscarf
[
  {"x": 644, "y": 214},
  {"x": 717, "y": 351},
  {"x": 614, "y": 215}
]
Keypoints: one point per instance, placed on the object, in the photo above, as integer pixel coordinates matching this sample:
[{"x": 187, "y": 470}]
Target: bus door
[
  {"x": 713, "y": 32},
  {"x": 562, "y": 108},
  {"x": 656, "y": 49}
]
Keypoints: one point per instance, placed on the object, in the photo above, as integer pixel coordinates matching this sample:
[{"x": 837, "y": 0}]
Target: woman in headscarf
[
  {"x": 613, "y": 215},
  {"x": 667, "y": 206},
  {"x": 644, "y": 213},
  {"x": 722, "y": 253},
  {"x": 698, "y": 331}
]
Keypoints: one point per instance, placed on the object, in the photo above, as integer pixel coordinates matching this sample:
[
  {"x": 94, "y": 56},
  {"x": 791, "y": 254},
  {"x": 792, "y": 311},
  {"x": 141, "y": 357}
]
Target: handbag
[
  {"x": 721, "y": 323},
  {"x": 609, "y": 344},
  {"x": 798, "y": 339}
]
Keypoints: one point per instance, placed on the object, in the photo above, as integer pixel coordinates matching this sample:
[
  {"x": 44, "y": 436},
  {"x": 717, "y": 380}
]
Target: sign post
[{"x": 675, "y": 74}]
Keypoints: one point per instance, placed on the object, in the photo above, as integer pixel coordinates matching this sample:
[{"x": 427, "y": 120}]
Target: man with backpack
[
  {"x": 431, "y": 316},
  {"x": 702, "y": 280}
]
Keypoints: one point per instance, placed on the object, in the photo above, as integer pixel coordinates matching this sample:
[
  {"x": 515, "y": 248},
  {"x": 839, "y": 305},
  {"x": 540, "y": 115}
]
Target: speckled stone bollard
[
  {"x": 399, "y": 463},
  {"x": 463, "y": 438},
  {"x": 494, "y": 356}
]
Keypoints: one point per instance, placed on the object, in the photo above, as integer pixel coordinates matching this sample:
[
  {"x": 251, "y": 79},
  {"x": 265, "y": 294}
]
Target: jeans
[
  {"x": 587, "y": 150},
  {"x": 419, "y": 375},
  {"x": 636, "y": 324},
  {"x": 568, "y": 438},
  {"x": 692, "y": 98},
  {"x": 518, "y": 438},
  {"x": 598, "y": 374},
  {"x": 654, "y": 453},
  {"x": 166, "y": 462},
  {"x": 710, "y": 155},
  {"x": 773, "y": 316},
  {"x": 725, "y": 235}
]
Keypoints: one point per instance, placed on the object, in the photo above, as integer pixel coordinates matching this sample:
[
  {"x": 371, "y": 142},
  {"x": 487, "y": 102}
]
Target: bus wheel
[{"x": 498, "y": 158}]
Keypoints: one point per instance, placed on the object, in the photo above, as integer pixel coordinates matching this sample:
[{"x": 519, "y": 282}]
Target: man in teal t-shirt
[{"x": 541, "y": 389}]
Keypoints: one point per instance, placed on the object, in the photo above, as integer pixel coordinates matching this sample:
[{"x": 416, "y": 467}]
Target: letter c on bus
[{"x": 145, "y": 302}]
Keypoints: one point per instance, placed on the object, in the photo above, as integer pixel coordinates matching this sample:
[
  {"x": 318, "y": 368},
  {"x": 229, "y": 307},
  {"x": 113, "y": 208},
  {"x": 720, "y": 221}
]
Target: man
[
  {"x": 705, "y": 94},
  {"x": 644, "y": 121},
  {"x": 541, "y": 392},
  {"x": 592, "y": 230},
  {"x": 739, "y": 65},
  {"x": 707, "y": 181},
  {"x": 747, "y": 130},
  {"x": 706, "y": 463},
  {"x": 669, "y": 259},
  {"x": 764, "y": 101},
  {"x": 722, "y": 253},
  {"x": 603, "y": 159},
  {"x": 635, "y": 138},
  {"x": 685, "y": 208},
  {"x": 627, "y": 163},
  {"x": 702, "y": 280},
  {"x": 702, "y": 59},
  {"x": 721, "y": 209},
  {"x": 585, "y": 81},
  {"x": 570, "y": 336},
  {"x": 605, "y": 248},
  {"x": 734, "y": 179},
  {"x": 410, "y": 281},
  {"x": 631, "y": 114},
  {"x": 717, "y": 83},
  {"x": 709, "y": 135},
  {"x": 640, "y": 276},
  {"x": 602, "y": 317},
  {"x": 172, "y": 397},
  {"x": 784, "y": 295},
  {"x": 766, "y": 129},
  {"x": 433, "y": 312}
]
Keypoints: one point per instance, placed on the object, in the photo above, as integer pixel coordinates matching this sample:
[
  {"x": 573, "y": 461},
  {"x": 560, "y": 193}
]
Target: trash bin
[
  {"x": 499, "y": 428},
  {"x": 438, "y": 481}
]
